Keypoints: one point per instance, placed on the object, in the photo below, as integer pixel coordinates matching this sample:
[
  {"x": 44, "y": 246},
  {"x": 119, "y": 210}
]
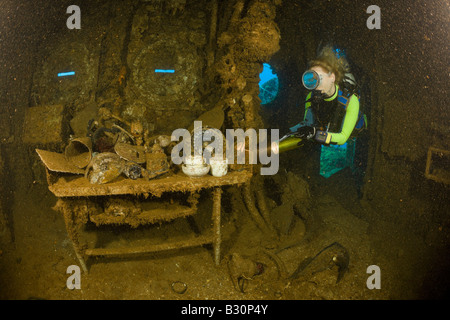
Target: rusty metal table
[{"x": 74, "y": 191}]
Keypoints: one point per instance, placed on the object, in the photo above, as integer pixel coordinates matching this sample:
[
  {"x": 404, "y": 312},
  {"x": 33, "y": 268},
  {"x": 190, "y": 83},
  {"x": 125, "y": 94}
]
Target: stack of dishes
[{"x": 195, "y": 166}]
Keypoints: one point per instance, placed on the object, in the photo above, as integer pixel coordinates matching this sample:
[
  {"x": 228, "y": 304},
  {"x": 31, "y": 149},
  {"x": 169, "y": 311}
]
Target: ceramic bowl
[{"x": 195, "y": 170}]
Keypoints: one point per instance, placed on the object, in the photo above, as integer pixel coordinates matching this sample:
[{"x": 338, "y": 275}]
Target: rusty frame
[{"x": 428, "y": 168}]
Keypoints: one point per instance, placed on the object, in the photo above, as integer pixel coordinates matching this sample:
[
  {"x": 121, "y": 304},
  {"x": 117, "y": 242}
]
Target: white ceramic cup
[{"x": 219, "y": 167}]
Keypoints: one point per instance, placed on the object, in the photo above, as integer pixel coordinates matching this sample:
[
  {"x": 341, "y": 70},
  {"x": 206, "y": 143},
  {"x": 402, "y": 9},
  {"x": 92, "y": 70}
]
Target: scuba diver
[
  {"x": 332, "y": 111},
  {"x": 332, "y": 114},
  {"x": 332, "y": 106}
]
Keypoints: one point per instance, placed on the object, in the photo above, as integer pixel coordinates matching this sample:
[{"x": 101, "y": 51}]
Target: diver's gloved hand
[{"x": 305, "y": 132}]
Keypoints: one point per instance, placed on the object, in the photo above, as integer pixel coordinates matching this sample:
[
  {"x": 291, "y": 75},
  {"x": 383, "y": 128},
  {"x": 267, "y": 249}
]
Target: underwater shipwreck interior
[{"x": 89, "y": 189}]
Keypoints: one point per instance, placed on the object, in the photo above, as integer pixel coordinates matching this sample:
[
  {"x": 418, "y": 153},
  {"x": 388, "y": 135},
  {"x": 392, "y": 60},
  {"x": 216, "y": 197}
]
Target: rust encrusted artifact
[
  {"x": 130, "y": 152},
  {"x": 104, "y": 168},
  {"x": 79, "y": 152},
  {"x": 255, "y": 214},
  {"x": 135, "y": 213},
  {"x": 57, "y": 162}
]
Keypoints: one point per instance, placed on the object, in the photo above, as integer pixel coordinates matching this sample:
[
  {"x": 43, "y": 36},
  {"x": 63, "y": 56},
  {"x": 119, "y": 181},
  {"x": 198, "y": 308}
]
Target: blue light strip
[
  {"x": 164, "y": 70},
  {"x": 65, "y": 74}
]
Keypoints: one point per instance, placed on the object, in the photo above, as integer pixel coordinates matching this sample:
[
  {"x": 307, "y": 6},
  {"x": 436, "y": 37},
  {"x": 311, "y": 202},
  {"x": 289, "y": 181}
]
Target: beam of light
[
  {"x": 164, "y": 71},
  {"x": 65, "y": 74}
]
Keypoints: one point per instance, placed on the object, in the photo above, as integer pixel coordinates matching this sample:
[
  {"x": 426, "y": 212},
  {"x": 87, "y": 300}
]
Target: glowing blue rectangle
[
  {"x": 164, "y": 70},
  {"x": 65, "y": 74}
]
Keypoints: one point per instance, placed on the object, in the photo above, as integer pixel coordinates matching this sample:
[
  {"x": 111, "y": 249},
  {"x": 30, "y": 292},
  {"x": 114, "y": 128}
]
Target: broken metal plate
[{"x": 57, "y": 162}]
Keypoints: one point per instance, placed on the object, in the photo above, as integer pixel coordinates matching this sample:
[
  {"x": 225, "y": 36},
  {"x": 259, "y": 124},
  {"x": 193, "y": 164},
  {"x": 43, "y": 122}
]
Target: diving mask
[{"x": 311, "y": 79}]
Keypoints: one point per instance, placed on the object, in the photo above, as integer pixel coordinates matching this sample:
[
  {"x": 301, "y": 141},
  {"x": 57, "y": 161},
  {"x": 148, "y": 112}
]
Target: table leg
[
  {"x": 73, "y": 230},
  {"x": 217, "y": 197}
]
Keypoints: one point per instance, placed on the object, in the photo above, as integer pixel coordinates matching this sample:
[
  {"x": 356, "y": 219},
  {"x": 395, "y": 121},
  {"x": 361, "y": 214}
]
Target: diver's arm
[{"x": 351, "y": 116}]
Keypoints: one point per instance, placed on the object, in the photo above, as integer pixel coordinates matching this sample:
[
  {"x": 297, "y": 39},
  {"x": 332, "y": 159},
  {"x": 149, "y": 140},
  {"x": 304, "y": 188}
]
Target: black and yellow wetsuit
[{"x": 330, "y": 116}]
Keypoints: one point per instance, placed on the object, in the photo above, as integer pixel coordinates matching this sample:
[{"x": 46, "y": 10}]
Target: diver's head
[{"x": 325, "y": 71}]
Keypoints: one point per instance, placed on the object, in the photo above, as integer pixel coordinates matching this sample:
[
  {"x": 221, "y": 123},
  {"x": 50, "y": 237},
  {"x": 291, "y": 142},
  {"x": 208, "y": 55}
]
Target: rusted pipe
[
  {"x": 239, "y": 6},
  {"x": 250, "y": 203},
  {"x": 212, "y": 33},
  {"x": 263, "y": 209}
]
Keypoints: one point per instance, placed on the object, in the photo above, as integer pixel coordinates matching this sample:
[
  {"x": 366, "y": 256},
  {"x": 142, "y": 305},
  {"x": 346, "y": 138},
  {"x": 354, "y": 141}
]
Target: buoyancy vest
[
  {"x": 330, "y": 115},
  {"x": 344, "y": 99}
]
